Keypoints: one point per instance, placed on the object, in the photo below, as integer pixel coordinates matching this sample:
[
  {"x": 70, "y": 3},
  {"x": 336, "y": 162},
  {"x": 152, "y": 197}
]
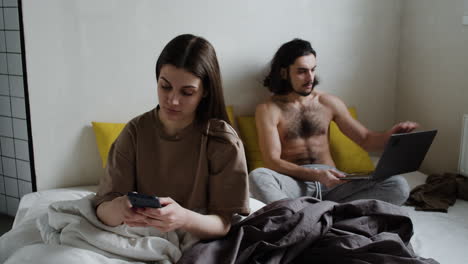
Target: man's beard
[{"x": 304, "y": 93}]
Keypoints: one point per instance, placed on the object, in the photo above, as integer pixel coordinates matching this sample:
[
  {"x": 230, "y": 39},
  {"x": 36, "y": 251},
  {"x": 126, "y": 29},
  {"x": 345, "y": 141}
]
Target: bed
[{"x": 441, "y": 236}]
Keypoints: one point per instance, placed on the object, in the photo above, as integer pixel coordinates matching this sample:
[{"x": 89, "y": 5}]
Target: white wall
[
  {"x": 433, "y": 75},
  {"x": 94, "y": 60}
]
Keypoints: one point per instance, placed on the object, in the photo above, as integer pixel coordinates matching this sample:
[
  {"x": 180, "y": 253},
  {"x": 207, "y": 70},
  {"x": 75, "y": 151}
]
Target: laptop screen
[{"x": 404, "y": 153}]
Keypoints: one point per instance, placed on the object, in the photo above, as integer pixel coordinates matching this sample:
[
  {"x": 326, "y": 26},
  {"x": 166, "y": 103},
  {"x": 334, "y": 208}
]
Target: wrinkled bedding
[
  {"x": 442, "y": 236},
  {"x": 306, "y": 229},
  {"x": 72, "y": 226}
]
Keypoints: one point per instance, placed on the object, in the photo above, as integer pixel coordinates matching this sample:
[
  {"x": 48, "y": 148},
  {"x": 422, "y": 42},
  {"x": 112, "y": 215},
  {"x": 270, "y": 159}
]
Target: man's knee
[
  {"x": 260, "y": 175},
  {"x": 263, "y": 185},
  {"x": 400, "y": 189}
]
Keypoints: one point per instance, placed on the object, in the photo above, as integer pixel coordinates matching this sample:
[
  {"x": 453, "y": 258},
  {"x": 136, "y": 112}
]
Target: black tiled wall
[{"x": 15, "y": 164}]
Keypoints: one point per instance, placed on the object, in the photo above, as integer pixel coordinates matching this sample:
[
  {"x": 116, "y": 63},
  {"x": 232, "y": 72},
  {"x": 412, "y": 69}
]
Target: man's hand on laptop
[
  {"x": 404, "y": 127},
  {"x": 330, "y": 178}
]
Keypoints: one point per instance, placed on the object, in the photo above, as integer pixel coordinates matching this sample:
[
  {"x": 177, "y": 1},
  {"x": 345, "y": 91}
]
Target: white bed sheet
[
  {"x": 33, "y": 204},
  {"x": 442, "y": 236}
]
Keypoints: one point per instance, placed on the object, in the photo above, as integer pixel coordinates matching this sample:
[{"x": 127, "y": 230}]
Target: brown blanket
[
  {"x": 305, "y": 230},
  {"x": 439, "y": 192}
]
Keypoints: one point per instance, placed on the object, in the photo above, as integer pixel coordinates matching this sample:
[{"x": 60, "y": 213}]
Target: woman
[{"x": 183, "y": 151}]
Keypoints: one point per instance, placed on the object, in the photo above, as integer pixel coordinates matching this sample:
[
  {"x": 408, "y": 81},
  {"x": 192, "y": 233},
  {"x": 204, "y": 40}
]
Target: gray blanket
[{"x": 306, "y": 230}]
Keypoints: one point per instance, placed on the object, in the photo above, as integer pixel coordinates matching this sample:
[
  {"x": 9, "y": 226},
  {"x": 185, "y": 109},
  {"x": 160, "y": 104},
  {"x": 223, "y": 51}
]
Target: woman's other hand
[
  {"x": 170, "y": 217},
  {"x": 129, "y": 214},
  {"x": 118, "y": 211}
]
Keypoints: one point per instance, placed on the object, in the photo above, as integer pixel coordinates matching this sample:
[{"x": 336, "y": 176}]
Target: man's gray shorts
[{"x": 268, "y": 186}]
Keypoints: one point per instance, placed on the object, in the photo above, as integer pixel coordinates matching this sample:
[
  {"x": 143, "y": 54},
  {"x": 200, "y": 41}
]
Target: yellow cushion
[
  {"x": 106, "y": 133},
  {"x": 348, "y": 156},
  {"x": 248, "y": 133},
  {"x": 230, "y": 113}
]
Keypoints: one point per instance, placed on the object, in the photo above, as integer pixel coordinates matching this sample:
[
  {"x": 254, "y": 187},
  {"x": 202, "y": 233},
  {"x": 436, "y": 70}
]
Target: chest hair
[{"x": 303, "y": 122}]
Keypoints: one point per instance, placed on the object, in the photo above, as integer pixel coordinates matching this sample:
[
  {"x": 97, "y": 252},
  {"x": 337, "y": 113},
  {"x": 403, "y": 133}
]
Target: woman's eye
[
  {"x": 187, "y": 94},
  {"x": 165, "y": 87}
]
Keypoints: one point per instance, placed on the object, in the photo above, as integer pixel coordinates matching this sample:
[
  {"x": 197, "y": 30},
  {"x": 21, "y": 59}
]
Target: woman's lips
[{"x": 172, "y": 111}]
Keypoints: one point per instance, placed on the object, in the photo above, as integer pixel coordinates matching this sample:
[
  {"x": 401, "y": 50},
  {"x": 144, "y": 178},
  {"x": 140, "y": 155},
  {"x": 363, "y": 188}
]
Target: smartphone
[{"x": 139, "y": 200}]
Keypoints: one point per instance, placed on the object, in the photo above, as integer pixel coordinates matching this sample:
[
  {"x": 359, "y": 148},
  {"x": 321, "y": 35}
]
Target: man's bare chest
[{"x": 303, "y": 123}]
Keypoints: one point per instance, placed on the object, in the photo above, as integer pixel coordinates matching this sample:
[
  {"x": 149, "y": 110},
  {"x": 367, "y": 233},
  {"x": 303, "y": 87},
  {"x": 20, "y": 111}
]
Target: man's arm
[
  {"x": 267, "y": 119},
  {"x": 367, "y": 139}
]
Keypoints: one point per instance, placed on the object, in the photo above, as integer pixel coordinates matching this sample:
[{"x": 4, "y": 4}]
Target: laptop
[{"x": 403, "y": 153}]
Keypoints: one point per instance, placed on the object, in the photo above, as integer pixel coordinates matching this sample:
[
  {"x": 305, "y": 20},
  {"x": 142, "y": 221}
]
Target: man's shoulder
[
  {"x": 333, "y": 103},
  {"x": 328, "y": 99},
  {"x": 268, "y": 106},
  {"x": 274, "y": 103},
  {"x": 268, "y": 111}
]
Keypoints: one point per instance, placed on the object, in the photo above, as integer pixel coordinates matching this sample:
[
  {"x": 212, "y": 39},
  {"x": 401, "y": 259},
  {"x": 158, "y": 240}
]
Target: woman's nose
[{"x": 173, "y": 98}]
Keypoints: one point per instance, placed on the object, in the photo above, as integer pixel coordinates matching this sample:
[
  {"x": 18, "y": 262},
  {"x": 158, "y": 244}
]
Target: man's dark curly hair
[{"x": 284, "y": 57}]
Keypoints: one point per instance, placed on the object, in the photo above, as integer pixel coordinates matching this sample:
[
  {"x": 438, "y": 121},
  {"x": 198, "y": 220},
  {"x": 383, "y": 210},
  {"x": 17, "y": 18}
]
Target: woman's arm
[
  {"x": 172, "y": 216},
  {"x": 119, "y": 178},
  {"x": 207, "y": 226}
]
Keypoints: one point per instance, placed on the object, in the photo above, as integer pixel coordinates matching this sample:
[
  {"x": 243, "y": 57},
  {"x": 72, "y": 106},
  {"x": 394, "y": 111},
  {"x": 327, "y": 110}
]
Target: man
[{"x": 292, "y": 128}]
